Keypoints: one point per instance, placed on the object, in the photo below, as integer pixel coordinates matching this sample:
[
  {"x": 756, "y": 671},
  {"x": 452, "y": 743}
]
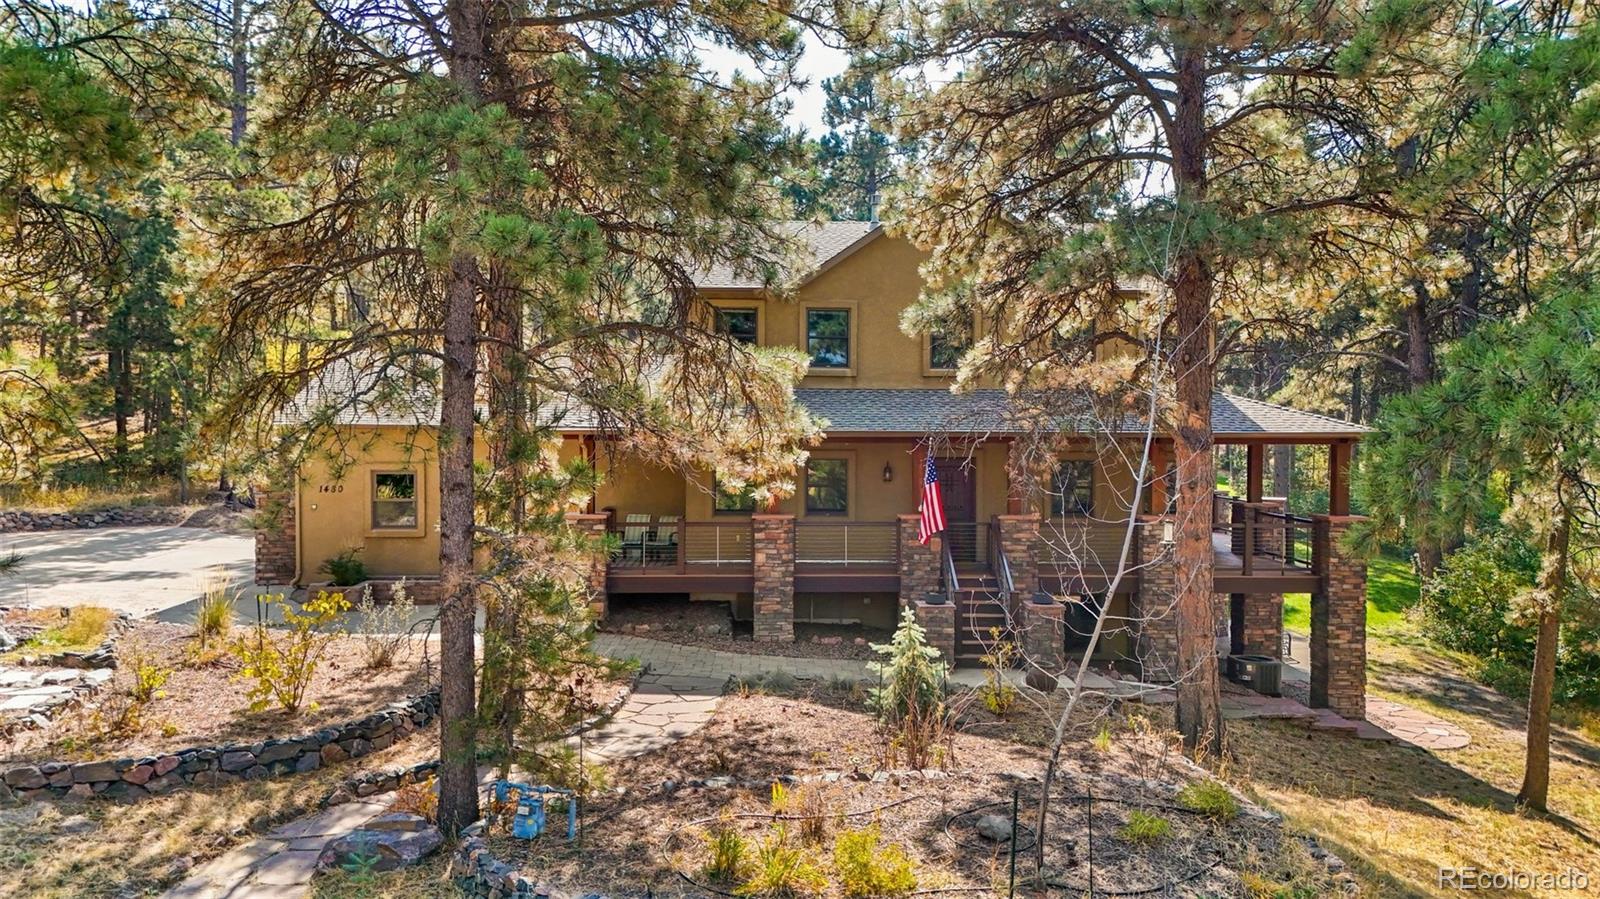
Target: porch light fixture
[
  {"x": 888, "y": 473},
  {"x": 1166, "y": 533}
]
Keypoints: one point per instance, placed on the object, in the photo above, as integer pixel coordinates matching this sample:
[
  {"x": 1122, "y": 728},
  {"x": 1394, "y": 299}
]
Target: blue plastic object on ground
[{"x": 529, "y": 820}]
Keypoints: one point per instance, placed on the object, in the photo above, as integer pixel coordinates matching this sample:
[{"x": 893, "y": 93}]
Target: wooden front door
[{"x": 960, "y": 494}]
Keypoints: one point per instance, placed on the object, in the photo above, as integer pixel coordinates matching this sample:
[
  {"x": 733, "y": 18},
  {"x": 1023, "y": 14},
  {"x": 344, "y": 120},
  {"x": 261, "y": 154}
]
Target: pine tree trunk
[
  {"x": 1199, "y": 700},
  {"x": 1419, "y": 370},
  {"x": 1535, "y": 792},
  {"x": 239, "y": 70},
  {"x": 1283, "y": 469},
  {"x": 458, "y": 776}
]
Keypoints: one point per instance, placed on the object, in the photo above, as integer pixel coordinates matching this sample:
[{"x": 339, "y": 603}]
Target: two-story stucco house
[{"x": 844, "y": 547}]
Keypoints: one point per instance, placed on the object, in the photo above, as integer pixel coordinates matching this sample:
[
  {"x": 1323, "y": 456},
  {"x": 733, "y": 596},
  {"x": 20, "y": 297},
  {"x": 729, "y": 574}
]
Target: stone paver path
[
  {"x": 279, "y": 864},
  {"x": 664, "y": 708}
]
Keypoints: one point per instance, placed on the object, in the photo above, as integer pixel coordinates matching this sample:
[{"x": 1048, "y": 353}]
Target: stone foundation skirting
[
  {"x": 17, "y": 520},
  {"x": 130, "y": 780}
]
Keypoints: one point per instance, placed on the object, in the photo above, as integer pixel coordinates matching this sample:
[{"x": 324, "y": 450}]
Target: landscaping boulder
[
  {"x": 994, "y": 827},
  {"x": 385, "y": 843},
  {"x": 7, "y": 642}
]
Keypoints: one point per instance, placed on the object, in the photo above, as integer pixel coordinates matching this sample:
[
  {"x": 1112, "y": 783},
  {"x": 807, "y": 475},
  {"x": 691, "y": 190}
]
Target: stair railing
[
  {"x": 952, "y": 581},
  {"x": 998, "y": 563}
]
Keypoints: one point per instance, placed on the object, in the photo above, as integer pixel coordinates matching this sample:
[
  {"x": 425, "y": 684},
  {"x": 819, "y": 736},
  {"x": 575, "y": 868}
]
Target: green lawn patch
[{"x": 1392, "y": 588}]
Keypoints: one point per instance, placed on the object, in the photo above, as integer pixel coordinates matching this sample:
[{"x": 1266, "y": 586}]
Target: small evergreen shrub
[
  {"x": 345, "y": 569},
  {"x": 865, "y": 867},
  {"x": 910, "y": 700},
  {"x": 1209, "y": 798}
]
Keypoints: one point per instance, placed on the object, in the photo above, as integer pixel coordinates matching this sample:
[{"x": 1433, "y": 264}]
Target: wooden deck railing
[
  {"x": 846, "y": 543},
  {"x": 668, "y": 542}
]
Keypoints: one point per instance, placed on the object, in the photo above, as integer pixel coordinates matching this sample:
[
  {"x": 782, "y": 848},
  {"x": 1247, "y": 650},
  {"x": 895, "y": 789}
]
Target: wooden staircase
[{"x": 980, "y": 606}]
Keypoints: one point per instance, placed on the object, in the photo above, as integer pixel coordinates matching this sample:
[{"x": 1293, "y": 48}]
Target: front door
[{"x": 960, "y": 494}]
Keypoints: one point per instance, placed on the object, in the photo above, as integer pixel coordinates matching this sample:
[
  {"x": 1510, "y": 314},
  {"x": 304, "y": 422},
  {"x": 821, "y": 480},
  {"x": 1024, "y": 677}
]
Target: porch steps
[{"x": 979, "y": 608}]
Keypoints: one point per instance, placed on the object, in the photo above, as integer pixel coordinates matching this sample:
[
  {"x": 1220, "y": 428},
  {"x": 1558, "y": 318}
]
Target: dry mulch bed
[
  {"x": 710, "y": 625},
  {"x": 648, "y": 835},
  {"x": 206, "y": 703}
]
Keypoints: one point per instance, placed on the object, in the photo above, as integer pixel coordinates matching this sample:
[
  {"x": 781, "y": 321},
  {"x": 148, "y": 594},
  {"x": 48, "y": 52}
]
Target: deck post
[
  {"x": 938, "y": 627},
  {"x": 1152, "y": 606},
  {"x": 1339, "y": 456},
  {"x": 1019, "y": 540},
  {"x": 773, "y": 553},
  {"x": 1255, "y": 465},
  {"x": 918, "y": 564},
  {"x": 592, "y": 526},
  {"x": 1338, "y": 621}
]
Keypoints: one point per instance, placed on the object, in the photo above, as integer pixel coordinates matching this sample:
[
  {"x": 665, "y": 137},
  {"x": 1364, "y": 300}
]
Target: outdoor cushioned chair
[
  {"x": 663, "y": 547},
  {"x": 635, "y": 530}
]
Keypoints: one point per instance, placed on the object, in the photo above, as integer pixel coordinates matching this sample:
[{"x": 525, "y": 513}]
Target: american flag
[{"x": 932, "y": 505}]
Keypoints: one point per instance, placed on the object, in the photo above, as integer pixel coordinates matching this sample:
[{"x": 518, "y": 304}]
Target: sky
[{"x": 818, "y": 62}]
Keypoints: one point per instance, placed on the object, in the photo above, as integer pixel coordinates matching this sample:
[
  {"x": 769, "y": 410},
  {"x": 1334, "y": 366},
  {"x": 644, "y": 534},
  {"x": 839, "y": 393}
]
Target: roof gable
[{"x": 822, "y": 246}]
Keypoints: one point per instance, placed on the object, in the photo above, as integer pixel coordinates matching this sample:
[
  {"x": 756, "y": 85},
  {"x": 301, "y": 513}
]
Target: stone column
[
  {"x": 1019, "y": 538},
  {"x": 1044, "y": 634},
  {"x": 939, "y": 624},
  {"x": 1263, "y": 612},
  {"x": 1338, "y": 621},
  {"x": 593, "y": 527},
  {"x": 773, "y": 537},
  {"x": 275, "y": 536},
  {"x": 919, "y": 564},
  {"x": 1152, "y": 606}
]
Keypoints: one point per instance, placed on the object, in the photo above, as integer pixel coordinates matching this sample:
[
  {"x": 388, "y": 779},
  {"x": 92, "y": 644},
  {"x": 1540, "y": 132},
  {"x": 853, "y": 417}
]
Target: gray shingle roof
[
  {"x": 822, "y": 244},
  {"x": 931, "y": 410}
]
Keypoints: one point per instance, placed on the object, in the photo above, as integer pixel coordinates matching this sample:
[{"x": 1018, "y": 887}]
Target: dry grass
[
  {"x": 131, "y": 849},
  {"x": 87, "y": 499},
  {"x": 81, "y": 630},
  {"x": 430, "y": 880},
  {"x": 1398, "y": 814}
]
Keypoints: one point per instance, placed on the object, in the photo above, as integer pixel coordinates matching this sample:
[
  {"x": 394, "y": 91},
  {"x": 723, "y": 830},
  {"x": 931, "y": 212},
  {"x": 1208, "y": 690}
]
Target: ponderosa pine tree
[
  {"x": 1078, "y": 150},
  {"x": 1519, "y": 400},
  {"x": 541, "y": 180}
]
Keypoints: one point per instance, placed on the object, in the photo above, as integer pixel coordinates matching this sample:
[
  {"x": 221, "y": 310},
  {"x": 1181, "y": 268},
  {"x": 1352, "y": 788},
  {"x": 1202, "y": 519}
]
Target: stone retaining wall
[
  {"x": 130, "y": 779},
  {"x": 13, "y": 520}
]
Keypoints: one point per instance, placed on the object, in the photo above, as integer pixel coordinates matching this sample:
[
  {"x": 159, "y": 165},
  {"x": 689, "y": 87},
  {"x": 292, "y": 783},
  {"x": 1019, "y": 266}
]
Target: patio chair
[
  {"x": 663, "y": 546},
  {"x": 635, "y": 531}
]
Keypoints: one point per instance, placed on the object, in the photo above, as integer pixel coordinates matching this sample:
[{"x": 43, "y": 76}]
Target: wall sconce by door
[
  {"x": 1166, "y": 533},
  {"x": 888, "y": 473}
]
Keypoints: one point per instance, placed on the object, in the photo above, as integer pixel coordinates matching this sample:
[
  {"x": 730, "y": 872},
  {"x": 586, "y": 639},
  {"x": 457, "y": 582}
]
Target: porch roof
[{"x": 918, "y": 411}]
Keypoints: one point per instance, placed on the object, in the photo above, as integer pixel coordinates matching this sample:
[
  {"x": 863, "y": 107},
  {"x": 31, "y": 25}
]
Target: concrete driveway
[{"x": 139, "y": 570}]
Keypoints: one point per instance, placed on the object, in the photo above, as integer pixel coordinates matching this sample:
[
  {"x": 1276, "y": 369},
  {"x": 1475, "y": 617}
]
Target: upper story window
[
  {"x": 725, "y": 500},
  {"x": 827, "y": 487},
  {"x": 1072, "y": 492},
  {"x": 828, "y": 337},
  {"x": 739, "y": 324},
  {"x": 394, "y": 499}
]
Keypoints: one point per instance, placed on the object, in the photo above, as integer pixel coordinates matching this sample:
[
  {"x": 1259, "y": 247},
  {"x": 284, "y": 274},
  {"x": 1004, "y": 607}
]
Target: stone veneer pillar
[
  {"x": 939, "y": 625},
  {"x": 919, "y": 564},
  {"x": 1338, "y": 621},
  {"x": 1152, "y": 606},
  {"x": 275, "y": 536},
  {"x": 1260, "y": 622},
  {"x": 773, "y": 539},
  {"x": 1044, "y": 632},
  {"x": 593, "y": 527},
  {"x": 1019, "y": 538}
]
